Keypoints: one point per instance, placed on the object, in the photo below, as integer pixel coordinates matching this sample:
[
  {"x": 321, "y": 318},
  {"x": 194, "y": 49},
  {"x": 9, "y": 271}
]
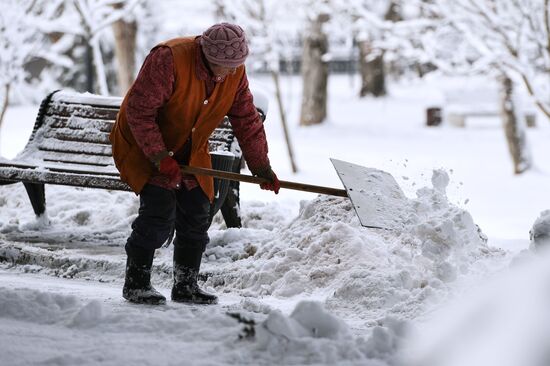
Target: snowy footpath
[
  {"x": 314, "y": 289},
  {"x": 302, "y": 283}
]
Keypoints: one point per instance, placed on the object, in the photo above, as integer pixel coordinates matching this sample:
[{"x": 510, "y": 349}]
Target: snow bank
[
  {"x": 87, "y": 98},
  {"x": 82, "y": 233},
  {"x": 376, "y": 280},
  {"x": 540, "y": 232},
  {"x": 310, "y": 332},
  {"x": 309, "y": 319},
  {"x": 309, "y": 335},
  {"x": 48, "y": 308},
  {"x": 372, "y": 274},
  {"x": 324, "y": 253},
  {"x": 504, "y": 322},
  {"x": 72, "y": 214}
]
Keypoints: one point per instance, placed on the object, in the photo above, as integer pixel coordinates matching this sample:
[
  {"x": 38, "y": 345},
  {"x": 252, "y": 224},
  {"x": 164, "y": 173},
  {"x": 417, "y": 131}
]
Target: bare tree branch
[
  {"x": 542, "y": 106},
  {"x": 5, "y": 102},
  {"x": 31, "y": 6},
  {"x": 489, "y": 18},
  {"x": 547, "y": 23},
  {"x": 117, "y": 15},
  {"x": 82, "y": 8}
]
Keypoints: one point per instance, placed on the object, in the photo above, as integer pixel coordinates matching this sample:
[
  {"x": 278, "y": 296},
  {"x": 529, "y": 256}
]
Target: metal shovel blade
[{"x": 377, "y": 198}]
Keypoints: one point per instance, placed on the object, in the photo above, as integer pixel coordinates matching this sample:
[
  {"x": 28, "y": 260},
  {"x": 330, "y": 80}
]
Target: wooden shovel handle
[{"x": 257, "y": 180}]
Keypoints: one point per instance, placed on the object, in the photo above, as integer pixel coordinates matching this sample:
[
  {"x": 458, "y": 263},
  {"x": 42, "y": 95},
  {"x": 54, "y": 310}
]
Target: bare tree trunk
[
  {"x": 371, "y": 62},
  {"x": 5, "y": 103},
  {"x": 373, "y": 77},
  {"x": 125, "y": 49},
  {"x": 275, "y": 76},
  {"x": 89, "y": 61},
  {"x": 99, "y": 67},
  {"x": 513, "y": 128},
  {"x": 315, "y": 74}
]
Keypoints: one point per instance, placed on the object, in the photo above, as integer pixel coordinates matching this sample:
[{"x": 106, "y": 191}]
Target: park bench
[
  {"x": 69, "y": 145},
  {"x": 481, "y": 101}
]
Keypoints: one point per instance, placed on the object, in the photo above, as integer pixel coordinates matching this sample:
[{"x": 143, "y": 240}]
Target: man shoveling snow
[{"x": 184, "y": 89}]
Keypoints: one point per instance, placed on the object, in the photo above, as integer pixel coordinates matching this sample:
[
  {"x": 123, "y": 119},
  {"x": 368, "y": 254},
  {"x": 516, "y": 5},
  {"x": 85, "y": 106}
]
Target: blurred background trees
[
  {"x": 97, "y": 46},
  {"x": 314, "y": 65},
  {"x": 20, "y": 41}
]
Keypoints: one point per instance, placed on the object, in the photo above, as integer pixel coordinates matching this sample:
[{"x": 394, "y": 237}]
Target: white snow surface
[
  {"x": 302, "y": 283},
  {"x": 503, "y": 322},
  {"x": 87, "y": 98}
]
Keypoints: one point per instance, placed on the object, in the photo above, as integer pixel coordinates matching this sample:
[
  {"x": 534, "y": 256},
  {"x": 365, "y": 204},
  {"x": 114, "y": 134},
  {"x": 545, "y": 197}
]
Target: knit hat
[{"x": 225, "y": 44}]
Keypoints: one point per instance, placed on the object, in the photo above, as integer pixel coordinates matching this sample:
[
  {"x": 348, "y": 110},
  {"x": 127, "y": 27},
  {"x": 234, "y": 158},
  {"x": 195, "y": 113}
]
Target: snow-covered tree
[
  {"x": 95, "y": 18},
  {"x": 125, "y": 34},
  {"x": 508, "y": 39},
  {"x": 315, "y": 65},
  {"x": 264, "y": 23},
  {"x": 19, "y": 42},
  {"x": 468, "y": 36},
  {"x": 373, "y": 42},
  {"x": 514, "y": 128},
  {"x": 508, "y": 36},
  {"x": 371, "y": 59}
]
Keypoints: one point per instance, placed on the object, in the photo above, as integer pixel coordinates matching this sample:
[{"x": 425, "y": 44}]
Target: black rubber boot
[
  {"x": 187, "y": 261},
  {"x": 137, "y": 284}
]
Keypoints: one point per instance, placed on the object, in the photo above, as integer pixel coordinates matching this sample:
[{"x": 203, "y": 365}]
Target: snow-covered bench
[
  {"x": 481, "y": 101},
  {"x": 70, "y": 146}
]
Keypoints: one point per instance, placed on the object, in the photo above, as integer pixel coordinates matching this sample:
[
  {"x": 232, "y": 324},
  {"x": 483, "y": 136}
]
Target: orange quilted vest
[{"x": 187, "y": 113}]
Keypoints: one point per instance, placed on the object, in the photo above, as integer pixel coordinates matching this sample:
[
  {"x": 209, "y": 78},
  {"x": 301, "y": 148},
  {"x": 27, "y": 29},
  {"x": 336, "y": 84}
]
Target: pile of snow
[
  {"x": 72, "y": 214},
  {"x": 540, "y": 232},
  {"x": 310, "y": 332},
  {"x": 360, "y": 274},
  {"x": 39, "y": 307},
  {"x": 377, "y": 280},
  {"x": 82, "y": 233},
  {"x": 374, "y": 274}
]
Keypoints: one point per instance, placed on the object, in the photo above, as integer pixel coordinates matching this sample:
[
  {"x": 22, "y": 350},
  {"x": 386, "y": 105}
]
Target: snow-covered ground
[{"x": 320, "y": 288}]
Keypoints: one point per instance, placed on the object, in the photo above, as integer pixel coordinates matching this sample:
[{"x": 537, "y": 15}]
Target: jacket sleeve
[
  {"x": 151, "y": 90},
  {"x": 248, "y": 128}
]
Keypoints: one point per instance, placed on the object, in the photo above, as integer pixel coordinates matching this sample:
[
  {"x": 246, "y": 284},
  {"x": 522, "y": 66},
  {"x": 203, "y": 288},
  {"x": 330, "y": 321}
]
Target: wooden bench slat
[
  {"x": 95, "y": 160},
  {"x": 60, "y": 178},
  {"x": 61, "y": 168},
  {"x": 217, "y": 146},
  {"x": 79, "y": 110},
  {"x": 87, "y": 99},
  {"x": 79, "y": 123},
  {"x": 222, "y": 135},
  {"x": 85, "y": 135},
  {"x": 49, "y": 144}
]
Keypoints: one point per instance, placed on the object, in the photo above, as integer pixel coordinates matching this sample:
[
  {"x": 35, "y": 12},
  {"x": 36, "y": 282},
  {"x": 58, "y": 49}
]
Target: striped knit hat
[{"x": 225, "y": 44}]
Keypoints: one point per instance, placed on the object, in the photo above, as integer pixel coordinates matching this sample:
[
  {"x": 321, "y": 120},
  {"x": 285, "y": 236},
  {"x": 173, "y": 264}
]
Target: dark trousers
[{"x": 161, "y": 210}]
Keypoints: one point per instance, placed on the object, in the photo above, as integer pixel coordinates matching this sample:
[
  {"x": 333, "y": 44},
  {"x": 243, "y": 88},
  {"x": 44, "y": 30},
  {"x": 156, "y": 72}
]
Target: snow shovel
[{"x": 373, "y": 193}]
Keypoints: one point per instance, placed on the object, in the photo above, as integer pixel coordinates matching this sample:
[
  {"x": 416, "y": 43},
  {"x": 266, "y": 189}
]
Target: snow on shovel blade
[{"x": 377, "y": 198}]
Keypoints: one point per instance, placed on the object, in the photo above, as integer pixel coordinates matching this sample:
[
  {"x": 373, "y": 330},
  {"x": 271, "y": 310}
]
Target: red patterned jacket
[{"x": 153, "y": 87}]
